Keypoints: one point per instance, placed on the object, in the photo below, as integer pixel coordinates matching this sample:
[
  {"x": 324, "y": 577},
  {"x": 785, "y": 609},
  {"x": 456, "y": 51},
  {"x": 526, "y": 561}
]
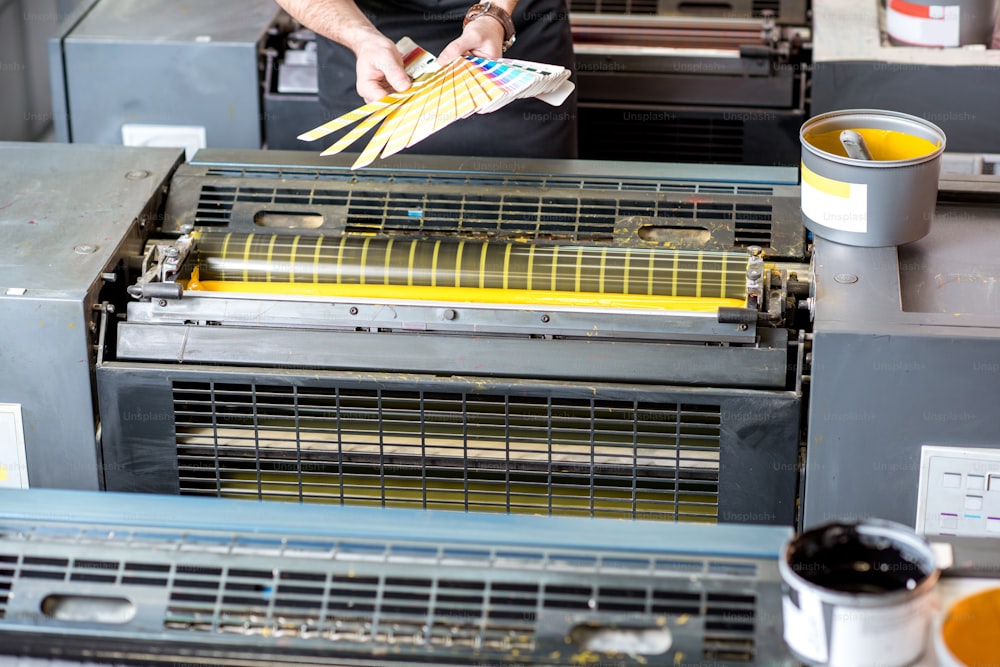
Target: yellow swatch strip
[
  {"x": 388, "y": 101},
  {"x": 357, "y": 132}
]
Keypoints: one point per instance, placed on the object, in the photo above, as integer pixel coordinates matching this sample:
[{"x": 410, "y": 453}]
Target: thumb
[
  {"x": 453, "y": 51},
  {"x": 449, "y": 54},
  {"x": 397, "y": 77}
]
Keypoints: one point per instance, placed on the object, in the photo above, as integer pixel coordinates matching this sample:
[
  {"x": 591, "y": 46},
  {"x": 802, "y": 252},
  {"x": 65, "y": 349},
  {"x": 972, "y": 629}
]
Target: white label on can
[
  {"x": 834, "y": 204},
  {"x": 805, "y": 630},
  {"x": 895, "y": 635},
  {"x": 923, "y": 25}
]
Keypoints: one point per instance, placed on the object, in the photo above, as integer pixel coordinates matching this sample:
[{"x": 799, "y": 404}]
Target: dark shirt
[{"x": 524, "y": 128}]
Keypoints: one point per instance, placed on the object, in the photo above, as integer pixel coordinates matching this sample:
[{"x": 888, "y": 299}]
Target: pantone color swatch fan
[{"x": 440, "y": 96}]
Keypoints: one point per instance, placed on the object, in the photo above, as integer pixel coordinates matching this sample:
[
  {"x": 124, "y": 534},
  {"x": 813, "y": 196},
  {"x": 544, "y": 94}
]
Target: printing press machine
[{"x": 599, "y": 340}]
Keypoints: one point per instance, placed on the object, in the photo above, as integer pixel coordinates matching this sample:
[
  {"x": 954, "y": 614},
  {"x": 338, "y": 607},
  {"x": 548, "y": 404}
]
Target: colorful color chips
[{"x": 438, "y": 97}]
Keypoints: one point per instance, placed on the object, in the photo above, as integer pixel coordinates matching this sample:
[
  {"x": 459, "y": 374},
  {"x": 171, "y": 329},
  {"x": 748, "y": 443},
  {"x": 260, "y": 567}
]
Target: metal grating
[
  {"x": 438, "y": 599},
  {"x": 467, "y": 179},
  {"x": 502, "y": 215},
  {"x": 7, "y": 567},
  {"x": 458, "y": 451}
]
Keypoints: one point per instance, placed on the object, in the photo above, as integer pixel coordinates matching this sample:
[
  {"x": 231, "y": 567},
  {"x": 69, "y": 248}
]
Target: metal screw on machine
[
  {"x": 450, "y": 314},
  {"x": 353, "y": 310},
  {"x": 545, "y": 318}
]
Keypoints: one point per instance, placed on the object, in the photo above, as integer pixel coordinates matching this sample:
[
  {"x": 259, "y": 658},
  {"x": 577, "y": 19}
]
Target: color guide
[{"x": 439, "y": 96}]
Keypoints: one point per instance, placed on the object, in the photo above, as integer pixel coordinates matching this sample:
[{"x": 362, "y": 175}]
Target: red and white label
[{"x": 922, "y": 25}]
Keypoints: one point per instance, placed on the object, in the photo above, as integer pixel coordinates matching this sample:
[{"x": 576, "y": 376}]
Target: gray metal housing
[
  {"x": 276, "y": 584},
  {"x": 68, "y": 215},
  {"x": 160, "y": 63}
]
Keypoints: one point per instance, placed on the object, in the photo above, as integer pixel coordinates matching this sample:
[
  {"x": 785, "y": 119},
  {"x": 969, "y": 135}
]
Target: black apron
[{"x": 524, "y": 128}]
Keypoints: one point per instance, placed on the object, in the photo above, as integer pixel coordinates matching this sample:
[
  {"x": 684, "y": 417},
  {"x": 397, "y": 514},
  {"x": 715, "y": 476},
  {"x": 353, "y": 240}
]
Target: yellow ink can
[{"x": 887, "y": 200}]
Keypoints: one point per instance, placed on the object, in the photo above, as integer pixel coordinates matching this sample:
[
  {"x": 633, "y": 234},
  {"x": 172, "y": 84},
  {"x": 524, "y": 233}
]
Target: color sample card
[{"x": 438, "y": 97}]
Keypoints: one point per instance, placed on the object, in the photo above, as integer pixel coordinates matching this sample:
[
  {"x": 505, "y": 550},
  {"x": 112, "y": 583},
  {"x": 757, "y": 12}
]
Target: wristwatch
[{"x": 488, "y": 9}]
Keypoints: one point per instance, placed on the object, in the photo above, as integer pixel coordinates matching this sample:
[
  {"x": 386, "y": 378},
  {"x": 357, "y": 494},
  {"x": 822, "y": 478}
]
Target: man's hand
[
  {"x": 481, "y": 37},
  {"x": 380, "y": 68}
]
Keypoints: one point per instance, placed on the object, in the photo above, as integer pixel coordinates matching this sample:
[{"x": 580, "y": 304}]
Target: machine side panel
[
  {"x": 110, "y": 84},
  {"x": 877, "y": 397},
  {"x": 43, "y": 339},
  {"x": 138, "y": 419},
  {"x": 759, "y": 459}
]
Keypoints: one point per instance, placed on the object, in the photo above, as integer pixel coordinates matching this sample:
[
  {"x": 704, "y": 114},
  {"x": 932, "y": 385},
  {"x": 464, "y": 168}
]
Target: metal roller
[{"x": 449, "y": 263}]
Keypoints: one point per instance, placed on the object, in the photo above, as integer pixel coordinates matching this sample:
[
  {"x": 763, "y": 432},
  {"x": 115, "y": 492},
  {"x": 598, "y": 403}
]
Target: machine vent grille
[
  {"x": 623, "y": 134},
  {"x": 590, "y": 219},
  {"x": 613, "y": 6},
  {"x": 347, "y": 607},
  {"x": 440, "y": 599},
  {"x": 8, "y": 563},
  {"x": 464, "y": 180},
  {"x": 215, "y": 205},
  {"x": 442, "y": 450}
]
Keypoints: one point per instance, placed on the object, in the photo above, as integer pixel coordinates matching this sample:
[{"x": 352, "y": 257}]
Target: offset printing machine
[
  {"x": 442, "y": 334},
  {"x": 432, "y": 333}
]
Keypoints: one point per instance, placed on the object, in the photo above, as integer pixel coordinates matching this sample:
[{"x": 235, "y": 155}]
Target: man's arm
[{"x": 380, "y": 67}]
